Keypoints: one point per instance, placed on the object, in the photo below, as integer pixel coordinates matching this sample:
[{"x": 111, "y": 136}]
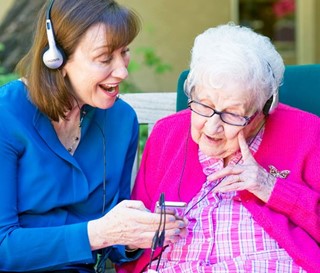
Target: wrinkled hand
[
  {"x": 246, "y": 176},
  {"x": 130, "y": 223}
]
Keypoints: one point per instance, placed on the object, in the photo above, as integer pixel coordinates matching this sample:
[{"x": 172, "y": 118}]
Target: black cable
[
  {"x": 104, "y": 166},
  {"x": 158, "y": 240},
  {"x": 101, "y": 265},
  {"x": 184, "y": 162},
  {"x": 162, "y": 236}
]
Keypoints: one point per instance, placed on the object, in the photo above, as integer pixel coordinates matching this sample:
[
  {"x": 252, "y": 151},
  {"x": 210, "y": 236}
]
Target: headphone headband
[{"x": 48, "y": 12}]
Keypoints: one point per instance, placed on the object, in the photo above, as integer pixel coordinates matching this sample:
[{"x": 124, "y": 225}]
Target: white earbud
[{"x": 53, "y": 57}]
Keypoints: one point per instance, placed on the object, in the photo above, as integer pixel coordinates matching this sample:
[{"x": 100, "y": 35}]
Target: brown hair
[{"x": 48, "y": 89}]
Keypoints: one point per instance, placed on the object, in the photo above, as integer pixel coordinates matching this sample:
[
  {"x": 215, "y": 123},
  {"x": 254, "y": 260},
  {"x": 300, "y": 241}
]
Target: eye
[
  {"x": 126, "y": 51},
  {"x": 106, "y": 60}
]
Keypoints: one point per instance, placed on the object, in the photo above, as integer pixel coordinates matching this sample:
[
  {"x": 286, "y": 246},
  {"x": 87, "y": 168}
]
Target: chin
[
  {"x": 210, "y": 153},
  {"x": 106, "y": 105},
  {"x": 217, "y": 154}
]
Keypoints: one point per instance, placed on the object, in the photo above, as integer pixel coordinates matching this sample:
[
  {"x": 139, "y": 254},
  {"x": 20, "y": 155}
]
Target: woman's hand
[
  {"x": 246, "y": 176},
  {"x": 130, "y": 223}
]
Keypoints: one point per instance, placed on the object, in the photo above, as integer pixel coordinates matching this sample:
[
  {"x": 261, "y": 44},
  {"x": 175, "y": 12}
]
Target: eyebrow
[{"x": 102, "y": 47}]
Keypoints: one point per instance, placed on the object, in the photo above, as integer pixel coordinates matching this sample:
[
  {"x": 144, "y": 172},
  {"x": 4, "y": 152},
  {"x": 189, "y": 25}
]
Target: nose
[
  {"x": 213, "y": 124},
  {"x": 120, "y": 69}
]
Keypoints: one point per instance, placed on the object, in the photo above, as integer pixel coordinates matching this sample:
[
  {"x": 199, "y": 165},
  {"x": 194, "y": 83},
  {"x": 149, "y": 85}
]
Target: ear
[{"x": 64, "y": 71}]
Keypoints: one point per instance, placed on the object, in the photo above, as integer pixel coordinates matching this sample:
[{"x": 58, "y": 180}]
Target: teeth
[{"x": 109, "y": 88}]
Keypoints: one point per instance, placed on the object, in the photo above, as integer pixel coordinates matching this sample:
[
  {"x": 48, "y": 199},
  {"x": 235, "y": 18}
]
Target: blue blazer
[{"x": 47, "y": 196}]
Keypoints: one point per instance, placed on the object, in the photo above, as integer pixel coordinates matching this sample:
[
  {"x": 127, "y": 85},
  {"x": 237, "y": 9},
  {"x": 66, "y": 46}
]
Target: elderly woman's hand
[
  {"x": 246, "y": 176},
  {"x": 130, "y": 223}
]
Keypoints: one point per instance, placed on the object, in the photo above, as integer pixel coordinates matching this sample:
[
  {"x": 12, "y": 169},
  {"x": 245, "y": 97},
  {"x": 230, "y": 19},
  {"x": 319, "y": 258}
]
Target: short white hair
[{"x": 232, "y": 54}]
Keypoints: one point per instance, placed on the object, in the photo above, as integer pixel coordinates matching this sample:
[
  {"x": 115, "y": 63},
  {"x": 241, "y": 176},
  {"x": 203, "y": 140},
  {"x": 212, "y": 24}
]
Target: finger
[
  {"x": 184, "y": 233},
  {"x": 143, "y": 219},
  {"x": 176, "y": 236},
  {"x": 153, "y": 220},
  {"x": 244, "y": 148},
  {"x": 173, "y": 236},
  {"x": 230, "y": 170},
  {"x": 134, "y": 204},
  {"x": 171, "y": 211},
  {"x": 141, "y": 240},
  {"x": 231, "y": 187},
  {"x": 171, "y": 240},
  {"x": 228, "y": 182},
  {"x": 171, "y": 221},
  {"x": 178, "y": 223}
]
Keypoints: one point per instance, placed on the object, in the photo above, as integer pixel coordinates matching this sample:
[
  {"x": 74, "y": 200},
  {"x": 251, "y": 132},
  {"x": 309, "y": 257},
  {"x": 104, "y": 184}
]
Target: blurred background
[{"x": 162, "y": 49}]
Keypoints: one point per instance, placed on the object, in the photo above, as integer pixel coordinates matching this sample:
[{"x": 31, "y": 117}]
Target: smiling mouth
[
  {"x": 214, "y": 139},
  {"x": 109, "y": 88}
]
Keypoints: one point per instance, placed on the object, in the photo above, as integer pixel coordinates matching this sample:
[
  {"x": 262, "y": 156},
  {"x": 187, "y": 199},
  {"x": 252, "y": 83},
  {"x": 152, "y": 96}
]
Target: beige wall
[
  {"x": 170, "y": 27},
  {"x": 5, "y": 6},
  {"x": 307, "y": 31},
  {"x": 317, "y": 24}
]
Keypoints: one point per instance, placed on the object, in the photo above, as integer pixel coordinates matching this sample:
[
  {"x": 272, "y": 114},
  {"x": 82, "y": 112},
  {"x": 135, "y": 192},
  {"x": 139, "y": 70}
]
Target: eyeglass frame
[{"x": 246, "y": 122}]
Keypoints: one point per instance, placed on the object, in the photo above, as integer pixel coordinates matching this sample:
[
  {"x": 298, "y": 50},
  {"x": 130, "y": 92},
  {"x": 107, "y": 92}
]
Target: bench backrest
[{"x": 150, "y": 107}]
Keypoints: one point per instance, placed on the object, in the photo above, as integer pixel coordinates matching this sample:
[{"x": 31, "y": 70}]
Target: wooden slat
[{"x": 151, "y": 106}]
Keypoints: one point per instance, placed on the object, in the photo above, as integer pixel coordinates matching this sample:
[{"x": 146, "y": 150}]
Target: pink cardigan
[{"x": 291, "y": 142}]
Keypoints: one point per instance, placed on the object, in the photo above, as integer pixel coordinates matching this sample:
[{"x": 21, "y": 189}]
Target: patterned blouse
[{"x": 222, "y": 235}]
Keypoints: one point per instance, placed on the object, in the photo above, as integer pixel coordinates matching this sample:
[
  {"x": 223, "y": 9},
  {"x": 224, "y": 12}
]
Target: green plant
[
  {"x": 5, "y": 77},
  {"x": 128, "y": 86},
  {"x": 151, "y": 61}
]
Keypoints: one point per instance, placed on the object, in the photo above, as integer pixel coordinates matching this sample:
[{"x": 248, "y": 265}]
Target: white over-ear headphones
[
  {"x": 53, "y": 57},
  {"x": 271, "y": 104}
]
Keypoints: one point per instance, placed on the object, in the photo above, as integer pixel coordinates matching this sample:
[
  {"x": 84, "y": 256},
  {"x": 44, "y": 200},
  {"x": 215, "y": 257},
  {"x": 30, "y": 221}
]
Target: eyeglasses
[
  {"x": 229, "y": 118},
  {"x": 159, "y": 236}
]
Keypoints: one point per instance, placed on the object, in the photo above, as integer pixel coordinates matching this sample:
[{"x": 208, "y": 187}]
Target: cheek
[
  {"x": 127, "y": 60},
  {"x": 231, "y": 135},
  {"x": 197, "y": 124}
]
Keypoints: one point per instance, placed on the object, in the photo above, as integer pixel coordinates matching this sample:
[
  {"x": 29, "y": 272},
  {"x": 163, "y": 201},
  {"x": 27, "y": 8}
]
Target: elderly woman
[{"x": 247, "y": 166}]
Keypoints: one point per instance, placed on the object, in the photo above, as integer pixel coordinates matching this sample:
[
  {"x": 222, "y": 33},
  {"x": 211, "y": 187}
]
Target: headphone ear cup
[
  {"x": 186, "y": 87},
  {"x": 53, "y": 57},
  {"x": 271, "y": 104}
]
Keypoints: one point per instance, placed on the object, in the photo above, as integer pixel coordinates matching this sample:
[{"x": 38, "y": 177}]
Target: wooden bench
[{"x": 150, "y": 107}]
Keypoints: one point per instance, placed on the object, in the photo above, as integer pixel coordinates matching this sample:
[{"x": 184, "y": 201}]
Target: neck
[{"x": 69, "y": 129}]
